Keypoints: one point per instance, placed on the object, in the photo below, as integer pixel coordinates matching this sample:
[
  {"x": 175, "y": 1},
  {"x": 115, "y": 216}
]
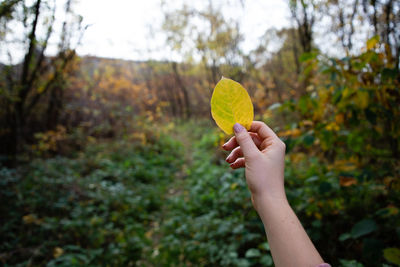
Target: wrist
[{"x": 263, "y": 202}]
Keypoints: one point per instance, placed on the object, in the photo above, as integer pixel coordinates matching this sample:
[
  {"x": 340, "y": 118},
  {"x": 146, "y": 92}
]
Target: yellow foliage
[
  {"x": 41, "y": 89},
  {"x": 31, "y": 219},
  {"x": 393, "y": 210},
  {"x": 332, "y": 127},
  {"x": 307, "y": 123},
  {"x": 49, "y": 140},
  {"x": 346, "y": 92},
  {"x": 319, "y": 112},
  {"x": 323, "y": 95},
  {"x": 141, "y": 137},
  {"x": 371, "y": 43},
  {"x": 149, "y": 234},
  {"x": 388, "y": 180},
  {"x": 292, "y": 132},
  {"x": 57, "y": 252},
  {"x": 297, "y": 157},
  {"x": 266, "y": 115},
  {"x": 339, "y": 118},
  {"x": 392, "y": 255},
  {"x": 221, "y": 139},
  {"x": 344, "y": 165},
  {"x": 230, "y": 104},
  {"x": 361, "y": 99}
]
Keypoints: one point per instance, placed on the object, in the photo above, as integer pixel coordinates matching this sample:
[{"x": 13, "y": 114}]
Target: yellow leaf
[
  {"x": 371, "y": 43},
  {"x": 292, "y": 132},
  {"x": 230, "y": 104},
  {"x": 344, "y": 165},
  {"x": 31, "y": 219},
  {"x": 149, "y": 234},
  {"x": 41, "y": 89},
  {"x": 392, "y": 255},
  {"x": 393, "y": 210},
  {"x": 332, "y": 127},
  {"x": 362, "y": 99},
  {"x": 57, "y": 252},
  {"x": 318, "y": 215},
  {"x": 339, "y": 118},
  {"x": 297, "y": 157},
  {"x": 346, "y": 92}
]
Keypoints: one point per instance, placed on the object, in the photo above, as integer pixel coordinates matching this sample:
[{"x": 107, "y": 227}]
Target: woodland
[{"x": 112, "y": 162}]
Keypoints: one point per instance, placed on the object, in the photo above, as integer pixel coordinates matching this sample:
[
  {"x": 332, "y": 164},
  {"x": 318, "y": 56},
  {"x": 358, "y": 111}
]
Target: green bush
[
  {"x": 91, "y": 210},
  {"x": 212, "y": 222},
  {"x": 342, "y": 170}
]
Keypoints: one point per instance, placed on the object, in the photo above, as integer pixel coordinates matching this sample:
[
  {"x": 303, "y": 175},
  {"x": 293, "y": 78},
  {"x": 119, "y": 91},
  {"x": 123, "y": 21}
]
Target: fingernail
[
  {"x": 227, "y": 159},
  {"x": 238, "y": 128},
  {"x": 224, "y": 145}
]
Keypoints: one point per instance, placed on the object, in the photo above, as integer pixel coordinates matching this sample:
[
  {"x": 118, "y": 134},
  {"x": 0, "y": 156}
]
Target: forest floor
[{"x": 171, "y": 200}]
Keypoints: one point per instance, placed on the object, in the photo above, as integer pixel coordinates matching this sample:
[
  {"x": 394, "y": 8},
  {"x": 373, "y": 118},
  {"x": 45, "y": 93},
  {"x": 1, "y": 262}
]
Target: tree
[
  {"x": 304, "y": 15},
  {"x": 37, "y": 80},
  {"x": 202, "y": 35},
  {"x": 350, "y": 17}
]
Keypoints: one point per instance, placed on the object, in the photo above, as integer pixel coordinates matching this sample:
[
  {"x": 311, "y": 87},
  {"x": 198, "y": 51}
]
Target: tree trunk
[{"x": 183, "y": 90}]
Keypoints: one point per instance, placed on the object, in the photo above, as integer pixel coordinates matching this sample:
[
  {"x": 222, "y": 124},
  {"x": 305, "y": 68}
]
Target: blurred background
[{"x": 109, "y": 155}]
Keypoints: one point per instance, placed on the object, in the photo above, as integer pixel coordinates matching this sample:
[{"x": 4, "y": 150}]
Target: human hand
[{"x": 262, "y": 154}]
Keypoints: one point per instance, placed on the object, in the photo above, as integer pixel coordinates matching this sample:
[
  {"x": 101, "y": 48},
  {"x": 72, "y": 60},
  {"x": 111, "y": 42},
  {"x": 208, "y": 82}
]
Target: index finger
[
  {"x": 232, "y": 143},
  {"x": 262, "y": 130}
]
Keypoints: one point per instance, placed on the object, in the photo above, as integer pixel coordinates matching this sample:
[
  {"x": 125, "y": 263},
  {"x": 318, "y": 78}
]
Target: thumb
[{"x": 244, "y": 140}]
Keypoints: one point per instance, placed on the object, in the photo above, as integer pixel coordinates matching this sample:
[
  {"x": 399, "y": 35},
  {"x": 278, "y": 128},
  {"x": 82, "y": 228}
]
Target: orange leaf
[{"x": 347, "y": 181}]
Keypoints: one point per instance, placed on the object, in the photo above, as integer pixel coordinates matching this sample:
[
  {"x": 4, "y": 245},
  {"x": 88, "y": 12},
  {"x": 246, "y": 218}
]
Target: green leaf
[
  {"x": 253, "y": 253},
  {"x": 266, "y": 260},
  {"x": 303, "y": 104},
  {"x": 308, "y": 56},
  {"x": 392, "y": 255},
  {"x": 312, "y": 179},
  {"x": 372, "y": 250},
  {"x": 275, "y": 106},
  {"x": 350, "y": 263},
  {"x": 344, "y": 237},
  {"x": 265, "y": 246},
  {"x": 325, "y": 187},
  {"x": 308, "y": 140},
  {"x": 362, "y": 228},
  {"x": 389, "y": 74}
]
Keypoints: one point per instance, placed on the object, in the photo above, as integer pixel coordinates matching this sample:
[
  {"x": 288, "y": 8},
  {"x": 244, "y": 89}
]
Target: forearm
[
  {"x": 289, "y": 243},
  {"x": 264, "y": 155}
]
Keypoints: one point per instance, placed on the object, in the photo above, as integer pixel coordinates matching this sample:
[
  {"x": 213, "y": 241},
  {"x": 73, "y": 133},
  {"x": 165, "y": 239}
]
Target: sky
[
  {"x": 131, "y": 29},
  {"x": 122, "y": 28}
]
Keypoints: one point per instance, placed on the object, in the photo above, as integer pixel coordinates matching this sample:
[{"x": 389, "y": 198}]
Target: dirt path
[{"x": 174, "y": 189}]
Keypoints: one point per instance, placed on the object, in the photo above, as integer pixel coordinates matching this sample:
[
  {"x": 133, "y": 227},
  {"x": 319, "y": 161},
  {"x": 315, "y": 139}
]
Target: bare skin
[{"x": 262, "y": 153}]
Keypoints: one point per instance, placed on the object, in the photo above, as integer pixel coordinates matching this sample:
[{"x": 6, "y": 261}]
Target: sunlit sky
[{"x": 121, "y": 28}]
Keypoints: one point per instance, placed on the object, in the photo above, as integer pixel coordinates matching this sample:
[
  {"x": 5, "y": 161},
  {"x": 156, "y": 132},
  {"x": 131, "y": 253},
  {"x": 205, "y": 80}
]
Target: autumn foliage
[{"x": 117, "y": 162}]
